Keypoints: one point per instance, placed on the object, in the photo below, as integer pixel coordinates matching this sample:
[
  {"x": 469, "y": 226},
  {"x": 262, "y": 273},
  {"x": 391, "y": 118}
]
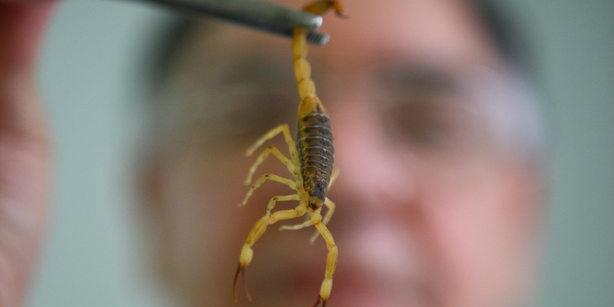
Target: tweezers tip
[
  {"x": 318, "y": 38},
  {"x": 317, "y": 21}
]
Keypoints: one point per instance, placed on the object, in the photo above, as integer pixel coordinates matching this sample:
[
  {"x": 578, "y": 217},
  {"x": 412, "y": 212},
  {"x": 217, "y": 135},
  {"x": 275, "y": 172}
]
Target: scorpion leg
[
  {"x": 247, "y": 253},
  {"x": 308, "y": 222},
  {"x": 329, "y": 214},
  {"x": 271, "y": 150},
  {"x": 331, "y": 259},
  {"x": 285, "y": 131},
  {"x": 333, "y": 178},
  {"x": 273, "y": 202},
  {"x": 331, "y": 210},
  {"x": 264, "y": 178},
  {"x": 330, "y": 205}
]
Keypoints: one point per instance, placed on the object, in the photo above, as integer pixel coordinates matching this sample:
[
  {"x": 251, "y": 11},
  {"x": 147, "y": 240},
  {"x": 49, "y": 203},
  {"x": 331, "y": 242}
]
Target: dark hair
[
  {"x": 164, "y": 48},
  {"x": 503, "y": 29}
]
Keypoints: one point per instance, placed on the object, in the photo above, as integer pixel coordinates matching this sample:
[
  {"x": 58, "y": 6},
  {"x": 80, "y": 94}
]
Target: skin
[
  {"x": 436, "y": 205},
  {"x": 24, "y": 147}
]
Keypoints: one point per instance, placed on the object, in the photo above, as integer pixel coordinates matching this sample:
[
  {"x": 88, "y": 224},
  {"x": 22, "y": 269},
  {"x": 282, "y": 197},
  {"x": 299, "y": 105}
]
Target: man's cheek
[{"x": 470, "y": 238}]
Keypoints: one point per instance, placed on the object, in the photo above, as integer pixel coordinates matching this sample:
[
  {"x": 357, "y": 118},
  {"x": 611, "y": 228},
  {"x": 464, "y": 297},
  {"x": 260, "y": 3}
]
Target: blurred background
[{"x": 95, "y": 76}]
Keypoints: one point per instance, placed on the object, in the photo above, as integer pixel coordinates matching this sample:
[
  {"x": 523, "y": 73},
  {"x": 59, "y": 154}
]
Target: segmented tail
[{"x": 302, "y": 68}]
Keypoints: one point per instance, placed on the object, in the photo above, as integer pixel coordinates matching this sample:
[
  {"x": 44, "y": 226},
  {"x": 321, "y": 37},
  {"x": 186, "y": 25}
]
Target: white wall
[
  {"x": 91, "y": 80},
  {"x": 575, "y": 51}
]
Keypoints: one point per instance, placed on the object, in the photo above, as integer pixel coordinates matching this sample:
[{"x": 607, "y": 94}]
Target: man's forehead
[
  {"x": 442, "y": 31},
  {"x": 417, "y": 30}
]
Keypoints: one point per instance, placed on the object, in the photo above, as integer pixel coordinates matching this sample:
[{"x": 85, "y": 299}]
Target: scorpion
[{"x": 310, "y": 164}]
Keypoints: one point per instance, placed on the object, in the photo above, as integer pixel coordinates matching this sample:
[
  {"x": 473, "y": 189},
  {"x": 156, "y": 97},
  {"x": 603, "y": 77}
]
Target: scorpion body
[
  {"x": 315, "y": 147},
  {"x": 310, "y": 164}
]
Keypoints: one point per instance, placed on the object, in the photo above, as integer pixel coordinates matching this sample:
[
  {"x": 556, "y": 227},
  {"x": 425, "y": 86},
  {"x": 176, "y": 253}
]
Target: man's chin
[{"x": 350, "y": 293}]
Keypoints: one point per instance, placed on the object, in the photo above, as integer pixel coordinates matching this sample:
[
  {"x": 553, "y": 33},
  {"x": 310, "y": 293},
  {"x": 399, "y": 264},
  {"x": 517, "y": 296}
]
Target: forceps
[{"x": 253, "y": 13}]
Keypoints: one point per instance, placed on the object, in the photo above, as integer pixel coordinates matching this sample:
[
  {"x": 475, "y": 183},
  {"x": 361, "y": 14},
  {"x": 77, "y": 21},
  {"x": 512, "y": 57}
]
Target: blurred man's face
[{"x": 435, "y": 204}]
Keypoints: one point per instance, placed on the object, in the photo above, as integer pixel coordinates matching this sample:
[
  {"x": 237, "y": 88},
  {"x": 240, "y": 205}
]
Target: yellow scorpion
[{"x": 310, "y": 163}]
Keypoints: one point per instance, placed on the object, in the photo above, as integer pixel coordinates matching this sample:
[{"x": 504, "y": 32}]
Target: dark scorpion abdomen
[{"x": 315, "y": 147}]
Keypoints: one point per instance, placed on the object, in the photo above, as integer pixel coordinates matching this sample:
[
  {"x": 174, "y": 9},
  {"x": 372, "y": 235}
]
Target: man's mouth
[{"x": 356, "y": 287}]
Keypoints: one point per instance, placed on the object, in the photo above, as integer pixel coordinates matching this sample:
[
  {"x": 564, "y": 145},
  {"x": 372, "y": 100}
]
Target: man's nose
[
  {"x": 376, "y": 197},
  {"x": 372, "y": 172}
]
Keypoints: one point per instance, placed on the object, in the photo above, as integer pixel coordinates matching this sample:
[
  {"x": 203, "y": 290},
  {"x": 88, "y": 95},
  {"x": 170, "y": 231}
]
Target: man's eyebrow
[
  {"x": 259, "y": 69},
  {"x": 419, "y": 78}
]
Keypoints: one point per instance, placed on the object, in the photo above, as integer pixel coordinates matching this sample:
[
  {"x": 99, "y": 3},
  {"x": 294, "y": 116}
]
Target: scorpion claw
[
  {"x": 240, "y": 271},
  {"x": 317, "y": 301},
  {"x": 320, "y": 300},
  {"x": 234, "y": 284}
]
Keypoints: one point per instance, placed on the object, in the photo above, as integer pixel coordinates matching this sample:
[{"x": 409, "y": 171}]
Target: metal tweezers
[{"x": 252, "y": 13}]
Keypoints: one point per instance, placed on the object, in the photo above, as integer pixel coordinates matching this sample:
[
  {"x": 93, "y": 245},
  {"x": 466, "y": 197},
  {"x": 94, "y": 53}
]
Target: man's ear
[
  {"x": 151, "y": 213},
  {"x": 149, "y": 185}
]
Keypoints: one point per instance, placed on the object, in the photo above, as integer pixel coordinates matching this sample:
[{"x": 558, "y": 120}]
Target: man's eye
[{"x": 420, "y": 124}]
